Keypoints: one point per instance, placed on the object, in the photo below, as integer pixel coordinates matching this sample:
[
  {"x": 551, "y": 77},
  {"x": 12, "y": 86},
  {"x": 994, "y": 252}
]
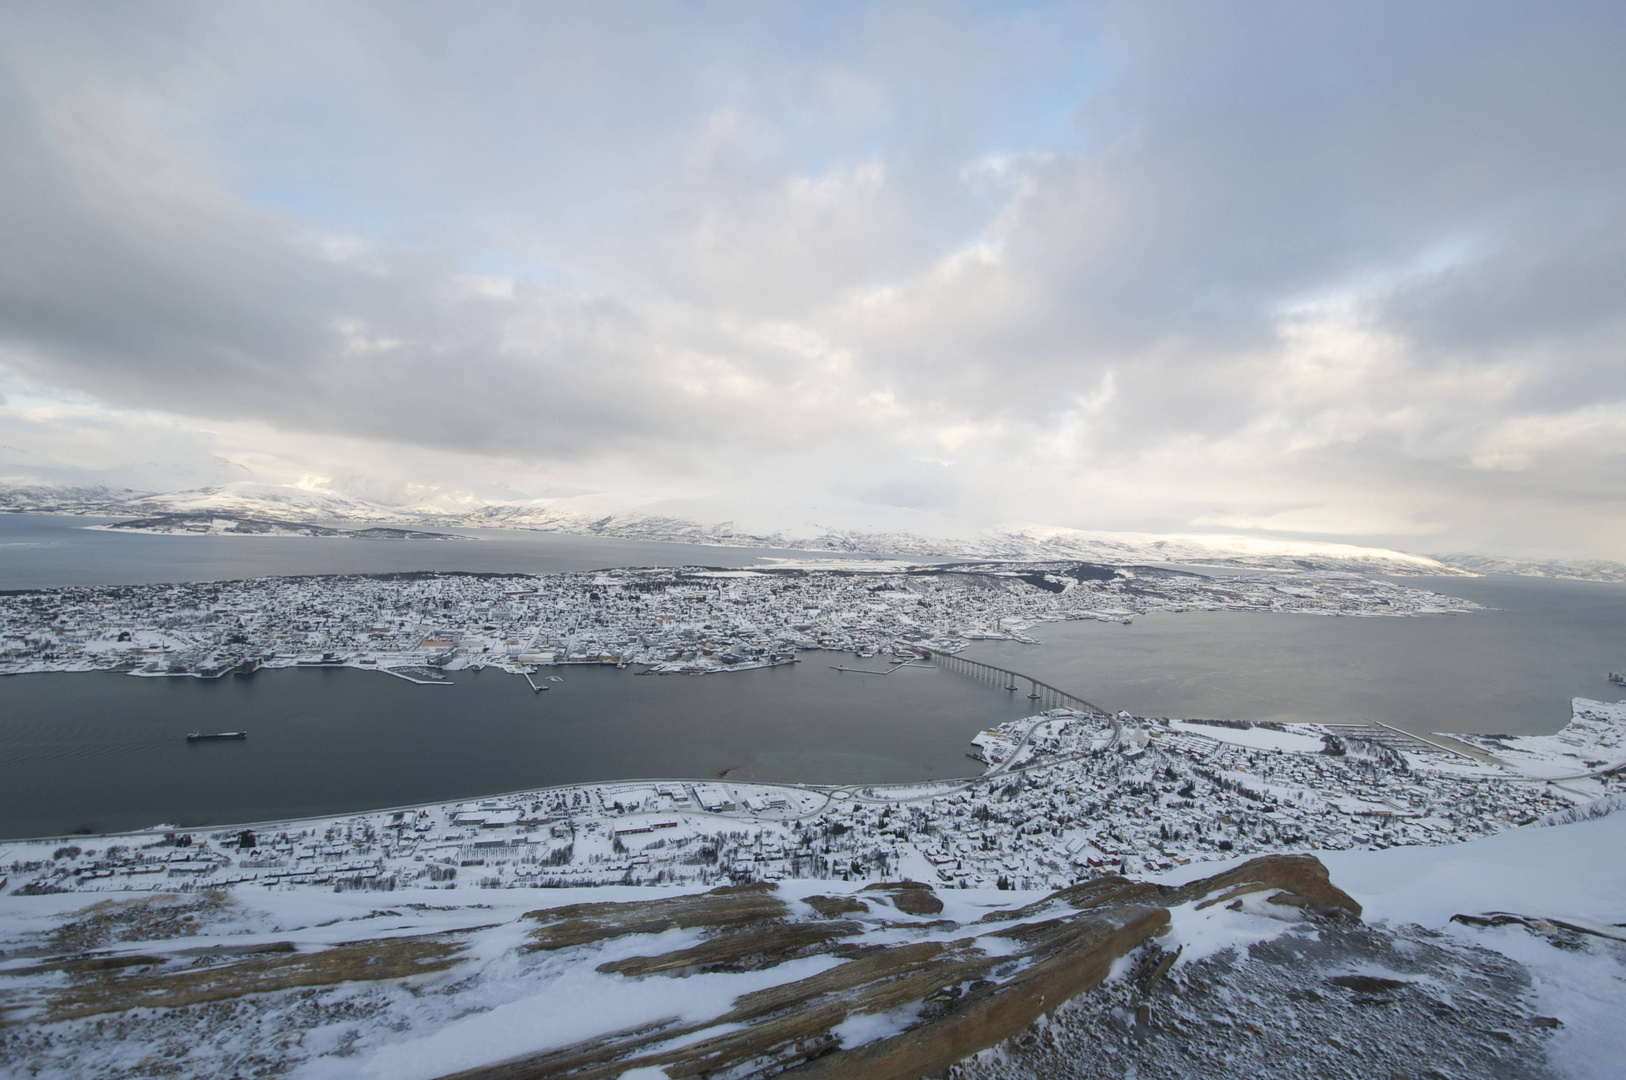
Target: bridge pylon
[{"x": 1048, "y": 696}]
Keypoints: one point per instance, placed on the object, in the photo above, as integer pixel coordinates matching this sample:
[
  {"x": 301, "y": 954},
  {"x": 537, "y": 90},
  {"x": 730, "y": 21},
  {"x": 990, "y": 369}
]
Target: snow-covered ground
[
  {"x": 485, "y": 998},
  {"x": 1503, "y": 957},
  {"x": 1575, "y": 873},
  {"x": 1593, "y": 741},
  {"x": 1300, "y": 738}
]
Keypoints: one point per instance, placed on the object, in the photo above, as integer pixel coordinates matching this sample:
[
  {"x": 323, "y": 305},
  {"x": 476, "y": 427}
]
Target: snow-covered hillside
[
  {"x": 842, "y": 526},
  {"x": 1498, "y": 958},
  {"x": 247, "y": 498},
  {"x": 1569, "y": 569}
]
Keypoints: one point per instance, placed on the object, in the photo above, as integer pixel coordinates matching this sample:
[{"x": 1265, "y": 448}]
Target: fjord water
[
  {"x": 1511, "y": 668},
  {"x": 106, "y": 751}
]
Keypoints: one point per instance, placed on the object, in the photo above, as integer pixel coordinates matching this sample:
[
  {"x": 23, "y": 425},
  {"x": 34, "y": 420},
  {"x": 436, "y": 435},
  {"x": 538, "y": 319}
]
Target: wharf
[{"x": 417, "y": 676}]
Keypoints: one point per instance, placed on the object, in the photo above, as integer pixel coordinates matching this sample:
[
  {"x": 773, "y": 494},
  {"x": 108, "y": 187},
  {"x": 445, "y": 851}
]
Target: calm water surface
[
  {"x": 1512, "y": 668},
  {"x": 108, "y": 752}
]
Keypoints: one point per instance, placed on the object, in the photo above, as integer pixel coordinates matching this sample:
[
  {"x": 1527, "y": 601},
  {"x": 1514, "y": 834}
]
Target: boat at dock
[
  {"x": 201, "y": 736},
  {"x": 1617, "y": 678}
]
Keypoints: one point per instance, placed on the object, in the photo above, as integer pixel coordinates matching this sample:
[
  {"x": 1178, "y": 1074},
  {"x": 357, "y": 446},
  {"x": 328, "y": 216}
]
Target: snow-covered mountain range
[
  {"x": 1570, "y": 569},
  {"x": 826, "y": 525}
]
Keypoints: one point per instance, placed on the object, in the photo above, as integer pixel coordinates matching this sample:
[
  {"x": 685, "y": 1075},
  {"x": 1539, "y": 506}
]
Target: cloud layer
[{"x": 1300, "y": 269}]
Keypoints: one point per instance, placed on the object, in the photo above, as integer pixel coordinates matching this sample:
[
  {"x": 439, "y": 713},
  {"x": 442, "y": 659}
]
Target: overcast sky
[{"x": 1353, "y": 271}]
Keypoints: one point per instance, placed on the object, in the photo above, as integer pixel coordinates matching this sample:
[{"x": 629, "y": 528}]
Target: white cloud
[
  {"x": 1116, "y": 268},
  {"x": 1524, "y": 443}
]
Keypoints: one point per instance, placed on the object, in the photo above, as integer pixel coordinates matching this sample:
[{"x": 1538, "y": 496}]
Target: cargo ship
[{"x": 200, "y": 736}]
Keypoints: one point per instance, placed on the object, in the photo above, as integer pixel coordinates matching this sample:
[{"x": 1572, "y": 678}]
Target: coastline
[{"x": 1054, "y": 750}]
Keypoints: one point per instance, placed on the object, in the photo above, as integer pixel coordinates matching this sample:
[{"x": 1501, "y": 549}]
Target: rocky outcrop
[
  {"x": 909, "y": 897},
  {"x": 1327, "y": 998},
  {"x": 831, "y": 907},
  {"x": 730, "y": 906},
  {"x": 930, "y": 992},
  {"x": 745, "y": 950}
]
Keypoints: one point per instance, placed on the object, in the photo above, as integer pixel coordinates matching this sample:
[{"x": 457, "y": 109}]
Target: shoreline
[{"x": 619, "y": 830}]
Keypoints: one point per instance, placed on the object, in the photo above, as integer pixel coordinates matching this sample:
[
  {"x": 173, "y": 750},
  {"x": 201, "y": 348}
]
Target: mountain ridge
[{"x": 826, "y": 526}]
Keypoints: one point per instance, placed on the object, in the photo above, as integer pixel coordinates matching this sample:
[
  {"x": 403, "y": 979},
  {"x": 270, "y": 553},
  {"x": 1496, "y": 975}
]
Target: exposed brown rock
[
  {"x": 107, "y": 991},
  {"x": 729, "y": 905},
  {"x": 751, "y": 948},
  {"x": 1157, "y": 964},
  {"x": 1301, "y": 879},
  {"x": 909, "y": 897},
  {"x": 832, "y": 906},
  {"x": 963, "y": 998},
  {"x": 150, "y": 918},
  {"x": 1367, "y": 984},
  {"x": 1098, "y": 892},
  {"x": 995, "y": 1017}
]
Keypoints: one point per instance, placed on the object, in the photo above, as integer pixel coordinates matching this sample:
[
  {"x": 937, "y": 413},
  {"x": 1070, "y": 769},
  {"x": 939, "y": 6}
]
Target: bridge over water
[{"x": 1042, "y": 693}]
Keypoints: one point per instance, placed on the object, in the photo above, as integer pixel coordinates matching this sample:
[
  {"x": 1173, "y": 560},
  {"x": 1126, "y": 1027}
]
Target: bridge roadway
[{"x": 1047, "y": 696}]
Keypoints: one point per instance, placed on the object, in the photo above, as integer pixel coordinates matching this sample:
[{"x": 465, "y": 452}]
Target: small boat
[{"x": 200, "y": 736}]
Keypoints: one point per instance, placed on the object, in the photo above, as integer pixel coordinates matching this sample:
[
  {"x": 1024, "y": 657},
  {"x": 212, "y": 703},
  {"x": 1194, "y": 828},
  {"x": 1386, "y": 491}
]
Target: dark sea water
[
  {"x": 107, "y": 752},
  {"x": 1512, "y": 668}
]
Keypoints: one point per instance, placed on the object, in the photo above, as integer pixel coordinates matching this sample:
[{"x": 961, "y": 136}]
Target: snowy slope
[
  {"x": 1210, "y": 548},
  {"x": 1573, "y": 872},
  {"x": 472, "y": 990},
  {"x": 250, "y": 498},
  {"x": 1570, "y": 569},
  {"x": 1593, "y": 741}
]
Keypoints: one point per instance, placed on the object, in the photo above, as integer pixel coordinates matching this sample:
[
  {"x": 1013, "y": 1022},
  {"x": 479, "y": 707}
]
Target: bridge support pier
[{"x": 1048, "y": 696}]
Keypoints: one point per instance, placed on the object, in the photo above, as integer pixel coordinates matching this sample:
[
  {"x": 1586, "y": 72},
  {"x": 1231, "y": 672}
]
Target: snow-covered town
[
  {"x": 691, "y": 620},
  {"x": 1066, "y": 796}
]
